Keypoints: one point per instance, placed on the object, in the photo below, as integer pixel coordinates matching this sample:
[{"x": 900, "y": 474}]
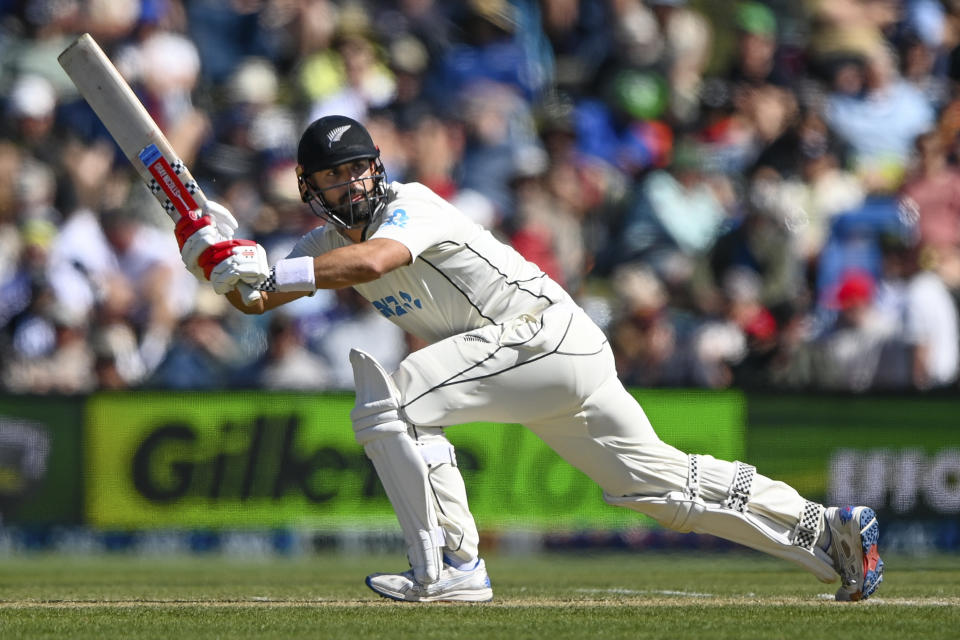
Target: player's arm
[
  {"x": 268, "y": 300},
  {"x": 358, "y": 263},
  {"x": 342, "y": 267}
]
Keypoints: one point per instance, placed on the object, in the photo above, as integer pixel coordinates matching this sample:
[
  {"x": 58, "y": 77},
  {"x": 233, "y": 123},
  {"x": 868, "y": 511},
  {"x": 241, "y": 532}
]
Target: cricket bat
[{"x": 138, "y": 136}]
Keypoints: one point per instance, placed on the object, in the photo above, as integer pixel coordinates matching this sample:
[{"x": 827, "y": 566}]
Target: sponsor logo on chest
[{"x": 397, "y": 305}]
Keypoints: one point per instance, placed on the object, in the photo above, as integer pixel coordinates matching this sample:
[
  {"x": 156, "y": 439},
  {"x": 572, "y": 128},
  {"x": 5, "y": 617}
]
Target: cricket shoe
[
  {"x": 854, "y": 533},
  {"x": 454, "y": 585}
]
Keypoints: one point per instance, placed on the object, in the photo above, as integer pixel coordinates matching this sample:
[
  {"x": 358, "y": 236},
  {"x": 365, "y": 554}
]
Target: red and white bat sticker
[{"x": 169, "y": 181}]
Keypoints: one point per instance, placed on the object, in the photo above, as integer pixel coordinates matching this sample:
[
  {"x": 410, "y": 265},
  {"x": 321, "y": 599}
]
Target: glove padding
[
  {"x": 200, "y": 230},
  {"x": 230, "y": 262},
  {"x": 221, "y": 218}
]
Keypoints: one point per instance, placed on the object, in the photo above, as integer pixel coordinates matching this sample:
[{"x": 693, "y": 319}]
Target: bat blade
[
  {"x": 129, "y": 123},
  {"x": 136, "y": 133}
]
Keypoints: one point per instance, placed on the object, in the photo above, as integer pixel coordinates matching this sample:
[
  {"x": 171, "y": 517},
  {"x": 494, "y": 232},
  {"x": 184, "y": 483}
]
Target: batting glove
[
  {"x": 200, "y": 230},
  {"x": 230, "y": 262},
  {"x": 221, "y": 217}
]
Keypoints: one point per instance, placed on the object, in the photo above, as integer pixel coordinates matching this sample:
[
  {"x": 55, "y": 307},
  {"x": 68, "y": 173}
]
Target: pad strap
[
  {"x": 692, "y": 489},
  {"x": 739, "y": 493},
  {"x": 807, "y": 531},
  {"x": 437, "y": 453}
]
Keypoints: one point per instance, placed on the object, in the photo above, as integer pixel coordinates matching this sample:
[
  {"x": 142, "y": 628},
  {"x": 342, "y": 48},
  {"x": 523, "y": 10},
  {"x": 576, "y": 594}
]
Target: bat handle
[{"x": 248, "y": 293}]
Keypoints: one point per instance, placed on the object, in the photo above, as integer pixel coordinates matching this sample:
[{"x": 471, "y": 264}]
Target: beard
[{"x": 353, "y": 212}]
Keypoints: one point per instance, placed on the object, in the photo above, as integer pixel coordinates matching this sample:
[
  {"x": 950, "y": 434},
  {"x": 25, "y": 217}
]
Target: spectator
[
  {"x": 166, "y": 68},
  {"x": 148, "y": 260},
  {"x": 759, "y": 242},
  {"x": 498, "y": 125},
  {"x": 673, "y": 216},
  {"x": 351, "y": 322},
  {"x": 287, "y": 363},
  {"x": 846, "y": 356},
  {"x": 81, "y": 263},
  {"x": 429, "y": 21},
  {"x": 28, "y": 275},
  {"x": 534, "y": 223},
  {"x": 577, "y": 31},
  {"x": 877, "y": 99},
  {"x": 755, "y": 62},
  {"x": 49, "y": 349},
  {"x": 650, "y": 340},
  {"x": 930, "y": 324},
  {"x": 494, "y": 50},
  {"x": 592, "y": 189},
  {"x": 584, "y": 131},
  {"x": 433, "y": 148},
  {"x": 919, "y": 67},
  {"x": 362, "y": 81},
  {"x": 810, "y": 160},
  {"x": 933, "y": 192},
  {"x": 201, "y": 354},
  {"x": 30, "y": 109},
  {"x": 742, "y": 289},
  {"x": 10, "y": 162},
  {"x": 227, "y": 33},
  {"x": 671, "y": 38}
]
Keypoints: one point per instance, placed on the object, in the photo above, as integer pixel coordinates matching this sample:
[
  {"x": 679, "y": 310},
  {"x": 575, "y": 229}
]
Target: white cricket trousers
[{"x": 555, "y": 374}]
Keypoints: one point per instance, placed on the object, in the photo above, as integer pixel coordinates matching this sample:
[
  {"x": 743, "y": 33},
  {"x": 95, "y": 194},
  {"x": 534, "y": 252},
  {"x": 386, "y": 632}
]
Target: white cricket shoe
[
  {"x": 454, "y": 585},
  {"x": 853, "y": 546}
]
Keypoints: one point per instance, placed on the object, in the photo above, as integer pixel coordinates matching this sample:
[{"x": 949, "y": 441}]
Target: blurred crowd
[{"x": 757, "y": 194}]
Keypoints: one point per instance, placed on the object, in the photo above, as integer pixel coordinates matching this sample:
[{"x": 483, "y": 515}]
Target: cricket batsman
[{"x": 506, "y": 344}]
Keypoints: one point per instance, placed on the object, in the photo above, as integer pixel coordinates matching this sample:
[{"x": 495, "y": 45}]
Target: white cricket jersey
[{"x": 461, "y": 277}]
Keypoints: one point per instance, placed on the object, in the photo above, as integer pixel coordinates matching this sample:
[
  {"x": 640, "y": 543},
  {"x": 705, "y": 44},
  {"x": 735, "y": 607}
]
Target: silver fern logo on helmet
[{"x": 335, "y": 134}]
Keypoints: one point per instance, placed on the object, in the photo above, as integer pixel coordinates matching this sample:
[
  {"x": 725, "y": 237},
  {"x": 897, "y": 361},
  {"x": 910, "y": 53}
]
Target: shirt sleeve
[
  {"x": 315, "y": 243},
  {"x": 418, "y": 225}
]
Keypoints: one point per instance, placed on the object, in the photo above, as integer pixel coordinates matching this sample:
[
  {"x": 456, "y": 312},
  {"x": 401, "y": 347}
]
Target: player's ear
[{"x": 305, "y": 194}]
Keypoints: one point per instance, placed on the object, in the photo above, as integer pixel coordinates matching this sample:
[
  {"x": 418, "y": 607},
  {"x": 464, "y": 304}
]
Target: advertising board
[
  {"x": 40, "y": 460},
  {"x": 161, "y": 460}
]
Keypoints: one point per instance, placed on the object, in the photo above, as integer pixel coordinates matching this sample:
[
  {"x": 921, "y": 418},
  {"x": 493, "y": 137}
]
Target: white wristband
[{"x": 295, "y": 274}]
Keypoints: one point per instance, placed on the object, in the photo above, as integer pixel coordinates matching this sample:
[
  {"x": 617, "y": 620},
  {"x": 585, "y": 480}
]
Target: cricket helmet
[{"x": 330, "y": 142}]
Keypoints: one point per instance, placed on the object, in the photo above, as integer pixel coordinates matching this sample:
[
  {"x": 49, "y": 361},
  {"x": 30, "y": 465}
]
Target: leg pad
[{"x": 399, "y": 463}]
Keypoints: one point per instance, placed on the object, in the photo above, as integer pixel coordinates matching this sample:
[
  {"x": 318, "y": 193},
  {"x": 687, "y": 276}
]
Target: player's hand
[
  {"x": 202, "y": 229},
  {"x": 230, "y": 262}
]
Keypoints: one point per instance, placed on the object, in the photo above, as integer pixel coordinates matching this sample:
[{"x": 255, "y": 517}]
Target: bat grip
[{"x": 248, "y": 293}]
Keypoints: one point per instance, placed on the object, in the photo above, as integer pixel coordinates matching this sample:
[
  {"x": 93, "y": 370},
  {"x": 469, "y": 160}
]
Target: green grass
[{"x": 639, "y": 595}]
